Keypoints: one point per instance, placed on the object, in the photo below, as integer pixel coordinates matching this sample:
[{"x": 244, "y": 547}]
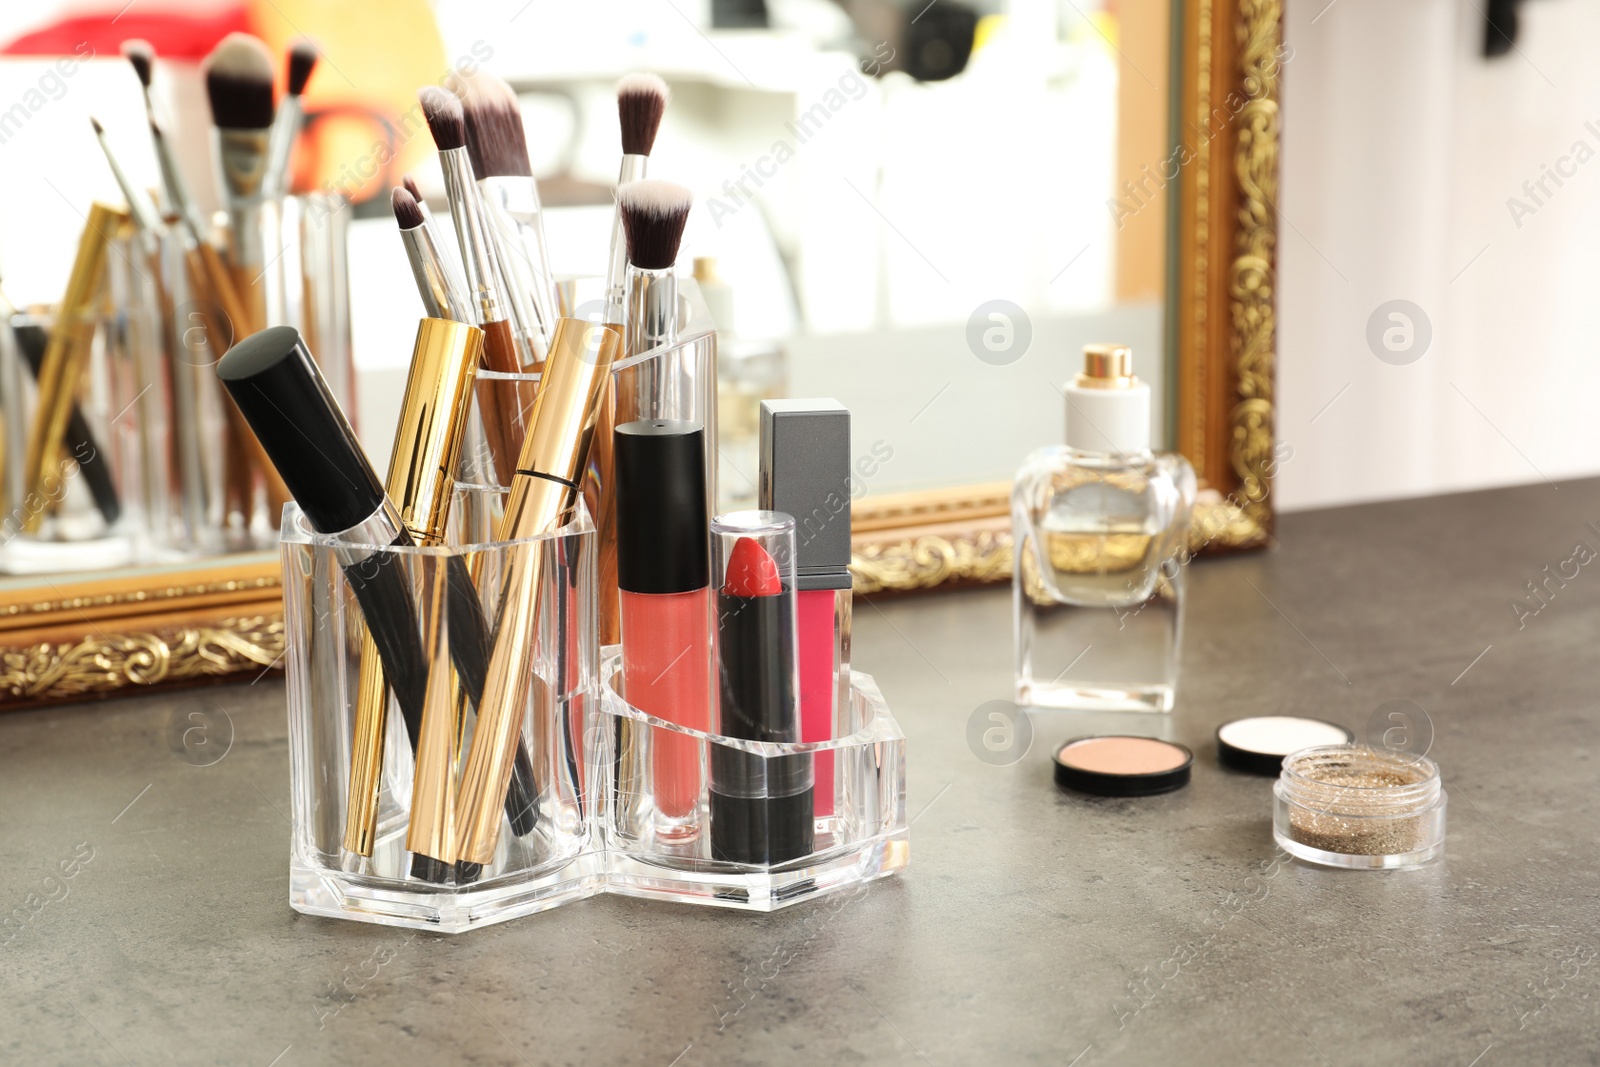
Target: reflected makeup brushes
[
  {"x": 500, "y": 405},
  {"x": 641, "y": 101},
  {"x": 289, "y": 119},
  {"x": 238, "y": 76},
  {"x": 174, "y": 193},
  {"x": 498, "y": 150}
]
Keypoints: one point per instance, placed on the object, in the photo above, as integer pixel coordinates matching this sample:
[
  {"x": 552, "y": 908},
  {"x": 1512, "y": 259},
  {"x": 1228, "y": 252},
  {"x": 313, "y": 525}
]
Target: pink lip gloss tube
[
  {"x": 663, "y": 581},
  {"x": 805, "y": 471}
]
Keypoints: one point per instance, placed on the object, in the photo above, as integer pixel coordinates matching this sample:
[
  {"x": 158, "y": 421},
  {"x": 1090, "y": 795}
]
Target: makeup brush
[
  {"x": 498, "y": 149},
  {"x": 653, "y": 217},
  {"x": 641, "y": 101},
  {"x": 501, "y": 406},
  {"x": 443, "y": 292},
  {"x": 290, "y": 118},
  {"x": 174, "y": 193},
  {"x": 447, "y": 250},
  {"x": 238, "y": 76}
]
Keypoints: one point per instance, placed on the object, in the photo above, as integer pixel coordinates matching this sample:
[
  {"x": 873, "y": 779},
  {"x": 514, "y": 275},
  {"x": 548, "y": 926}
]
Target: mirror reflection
[{"x": 922, "y": 210}]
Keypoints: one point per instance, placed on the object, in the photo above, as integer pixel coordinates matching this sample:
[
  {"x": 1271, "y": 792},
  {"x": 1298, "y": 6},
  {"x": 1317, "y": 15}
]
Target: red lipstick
[
  {"x": 761, "y": 807},
  {"x": 805, "y": 471}
]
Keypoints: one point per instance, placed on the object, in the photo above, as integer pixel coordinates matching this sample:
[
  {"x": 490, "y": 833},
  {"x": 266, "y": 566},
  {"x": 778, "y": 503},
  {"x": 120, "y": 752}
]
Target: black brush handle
[
  {"x": 79, "y": 441},
  {"x": 384, "y": 595}
]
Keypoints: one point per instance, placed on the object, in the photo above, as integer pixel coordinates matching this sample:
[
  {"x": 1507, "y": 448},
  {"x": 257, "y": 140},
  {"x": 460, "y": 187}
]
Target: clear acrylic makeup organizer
[{"x": 601, "y": 833}]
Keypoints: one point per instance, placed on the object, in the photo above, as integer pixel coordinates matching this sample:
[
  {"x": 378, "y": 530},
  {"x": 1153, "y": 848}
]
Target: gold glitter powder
[{"x": 1354, "y": 801}]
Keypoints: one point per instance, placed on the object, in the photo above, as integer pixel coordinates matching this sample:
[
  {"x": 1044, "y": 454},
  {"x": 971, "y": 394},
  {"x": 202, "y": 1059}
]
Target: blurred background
[{"x": 868, "y": 172}]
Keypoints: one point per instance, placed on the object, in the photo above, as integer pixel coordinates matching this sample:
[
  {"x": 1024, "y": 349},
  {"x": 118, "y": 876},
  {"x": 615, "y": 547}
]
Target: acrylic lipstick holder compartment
[
  {"x": 664, "y": 841},
  {"x": 540, "y": 859}
]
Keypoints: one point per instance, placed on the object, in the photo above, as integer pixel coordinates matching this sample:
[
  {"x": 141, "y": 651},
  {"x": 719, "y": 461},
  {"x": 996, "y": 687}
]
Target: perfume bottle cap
[
  {"x": 663, "y": 533},
  {"x": 1108, "y": 407},
  {"x": 1107, "y": 367},
  {"x": 805, "y": 472}
]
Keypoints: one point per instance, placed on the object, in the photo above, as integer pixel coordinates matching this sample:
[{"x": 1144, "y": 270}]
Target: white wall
[{"x": 1401, "y": 147}]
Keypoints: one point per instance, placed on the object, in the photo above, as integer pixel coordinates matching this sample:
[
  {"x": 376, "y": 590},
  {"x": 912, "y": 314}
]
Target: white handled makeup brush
[
  {"x": 641, "y": 101},
  {"x": 498, "y": 149},
  {"x": 290, "y": 118}
]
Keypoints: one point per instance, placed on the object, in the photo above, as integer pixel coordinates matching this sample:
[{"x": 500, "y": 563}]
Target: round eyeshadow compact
[
  {"x": 1258, "y": 745},
  {"x": 1120, "y": 766}
]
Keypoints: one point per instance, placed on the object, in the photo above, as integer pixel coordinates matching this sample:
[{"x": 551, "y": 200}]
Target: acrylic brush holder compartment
[
  {"x": 391, "y": 817},
  {"x": 664, "y": 788}
]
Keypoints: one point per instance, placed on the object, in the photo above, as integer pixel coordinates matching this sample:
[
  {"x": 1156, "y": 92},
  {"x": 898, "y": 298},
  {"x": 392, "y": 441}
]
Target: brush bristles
[
  {"x": 413, "y": 188},
  {"x": 407, "y": 212},
  {"x": 653, "y": 217},
  {"x": 143, "y": 58},
  {"x": 445, "y": 122},
  {"x": 495, "y": 138},
  {"x": 239, "y": 83},
  {"x": 99, "y": 130},
  {"x": 302, "y": 61},
  {"x": 641, "y": 101}
]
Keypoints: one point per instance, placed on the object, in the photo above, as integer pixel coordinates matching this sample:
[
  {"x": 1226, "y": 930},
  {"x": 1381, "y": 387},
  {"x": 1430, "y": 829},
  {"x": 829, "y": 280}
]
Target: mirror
[{"x": 924, "y": 211}]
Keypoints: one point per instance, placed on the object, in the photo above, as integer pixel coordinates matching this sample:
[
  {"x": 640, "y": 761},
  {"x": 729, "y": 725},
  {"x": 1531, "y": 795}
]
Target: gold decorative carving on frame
[
  {"x": 101, "y": 664},
  {"x": 1252, "y": 276}
]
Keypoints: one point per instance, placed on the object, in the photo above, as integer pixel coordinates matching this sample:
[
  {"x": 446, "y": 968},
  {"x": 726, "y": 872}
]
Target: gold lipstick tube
[
  {"x": 543, "y": 493},
  {"x": 433, "y": 415},
  {"x": 67, "y": 356}
]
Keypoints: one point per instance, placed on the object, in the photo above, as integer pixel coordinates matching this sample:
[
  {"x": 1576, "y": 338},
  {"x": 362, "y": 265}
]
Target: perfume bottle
[{"x": 1098, "y": 526}]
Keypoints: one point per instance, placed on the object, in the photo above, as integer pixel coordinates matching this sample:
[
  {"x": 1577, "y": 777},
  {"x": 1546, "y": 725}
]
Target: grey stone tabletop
[{"x": 1031, "y": 927}]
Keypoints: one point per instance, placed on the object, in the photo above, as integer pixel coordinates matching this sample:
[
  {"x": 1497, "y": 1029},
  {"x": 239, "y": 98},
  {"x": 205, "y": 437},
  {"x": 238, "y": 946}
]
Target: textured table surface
[{"x": 1031, "y": 926}]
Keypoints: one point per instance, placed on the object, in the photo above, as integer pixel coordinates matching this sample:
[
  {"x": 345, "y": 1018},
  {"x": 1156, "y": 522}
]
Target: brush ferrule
[
  {"x": 517, "y": 229},
  {"x": 243, "y": 158},
  {"x": 634, "y": 168},
  {"x": 652, "y": 309},
  {"x": 473, "y": 236},
  {"x": 443, "y": 291},
  {"x": 285, "y": 129}
]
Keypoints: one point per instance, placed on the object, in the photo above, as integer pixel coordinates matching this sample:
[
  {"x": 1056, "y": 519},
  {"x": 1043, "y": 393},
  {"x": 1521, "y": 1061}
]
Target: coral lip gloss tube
[
  {"x": 805, "y": 472},
  {"x": 761, "y": 807},
  {"x": 664, "y": 584}
]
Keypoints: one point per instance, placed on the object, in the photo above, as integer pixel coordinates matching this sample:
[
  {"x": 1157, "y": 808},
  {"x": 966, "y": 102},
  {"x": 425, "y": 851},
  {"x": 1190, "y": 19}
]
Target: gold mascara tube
[
  {"x": 543, "y": 493},
  {"x": 67, "y": 356},
  {"x": 427, "y": 444}
]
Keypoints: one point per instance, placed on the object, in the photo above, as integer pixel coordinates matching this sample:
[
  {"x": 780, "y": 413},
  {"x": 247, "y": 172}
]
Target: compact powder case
[
  {"x": 1258, "y": 745},
  {"x": 1121, "y": 766}
]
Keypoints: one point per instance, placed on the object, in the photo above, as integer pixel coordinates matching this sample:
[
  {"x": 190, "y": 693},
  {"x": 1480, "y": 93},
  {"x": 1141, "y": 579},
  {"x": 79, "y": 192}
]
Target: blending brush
[
  {"x": 443, "y": 290},
  {"x": 641, "y": 101},
  {"x": 653, "y": 215},
  {"x": 239, "y": 85},
  {"x": 174, "y": 193},
  {"x": 499, "y": 402},
  {"x": 447, "y": 250},
  {"x": 290, "y": 118},
  {"x": 498, "y": 150}
]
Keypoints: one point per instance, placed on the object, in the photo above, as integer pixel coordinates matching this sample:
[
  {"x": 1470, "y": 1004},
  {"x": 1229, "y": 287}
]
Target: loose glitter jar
[{"x": 1352, "y": 806}]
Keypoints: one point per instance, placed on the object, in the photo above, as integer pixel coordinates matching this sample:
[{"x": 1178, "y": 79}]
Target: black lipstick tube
[{"x": 762, "y": 807}]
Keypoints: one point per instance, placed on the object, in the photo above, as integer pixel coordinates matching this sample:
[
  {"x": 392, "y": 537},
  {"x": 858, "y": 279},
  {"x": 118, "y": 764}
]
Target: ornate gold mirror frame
[
  {"x": 78, "y": 638},
  {"x": 1221, "y": 326}
]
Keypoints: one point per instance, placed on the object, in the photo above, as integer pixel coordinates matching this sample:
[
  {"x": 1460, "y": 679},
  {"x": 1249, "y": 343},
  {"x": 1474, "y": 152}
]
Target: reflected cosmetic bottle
[
  {"x": 1099, "y": 525},
  {"x": 664, "y": 583},
  {"x": 805, "y": 472}
]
